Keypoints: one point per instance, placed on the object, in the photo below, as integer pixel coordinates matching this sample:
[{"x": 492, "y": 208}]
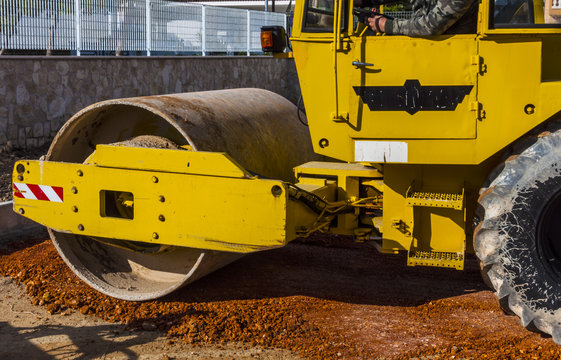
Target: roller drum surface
[{"x": 257, "y": 128}]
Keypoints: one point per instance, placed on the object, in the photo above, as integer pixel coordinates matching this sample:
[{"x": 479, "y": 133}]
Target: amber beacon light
[{"x": 273, "y": 39}]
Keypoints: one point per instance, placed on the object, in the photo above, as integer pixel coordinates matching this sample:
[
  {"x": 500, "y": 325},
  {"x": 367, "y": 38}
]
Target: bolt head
[
  {"x": 276, "y": 191},
  {"x": 75, "y": 208},
  {"x": 161, "y": 218},
  {"x": 74, "y": 190},
  {"x": 21, "y": 211},
  {"x": 155, "y": 236},
  {"x": 20, "y": 178},
  {"x": 154, "y": 179},
  {"x": 162, "y": 198},
  {"x": 79, "y": 172},
  {"x": 529, "y": 109},
  {"x": 81, "y": 227}
]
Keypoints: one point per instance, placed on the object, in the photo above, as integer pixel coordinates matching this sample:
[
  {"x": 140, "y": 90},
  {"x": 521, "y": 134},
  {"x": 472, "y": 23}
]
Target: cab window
[
  {"x": 318, "y": 16},
  {"x": 525, "y": 14}
]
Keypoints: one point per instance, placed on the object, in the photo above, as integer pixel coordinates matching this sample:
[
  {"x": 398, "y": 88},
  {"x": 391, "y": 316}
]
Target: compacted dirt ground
[
  {"x": 326, "y": 298},
  {"x": 30, "y": 331}
]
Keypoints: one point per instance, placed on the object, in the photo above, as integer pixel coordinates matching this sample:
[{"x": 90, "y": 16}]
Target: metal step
[
  {"x": 433, "y": 199},
  {"x": 436, "y": 258}
]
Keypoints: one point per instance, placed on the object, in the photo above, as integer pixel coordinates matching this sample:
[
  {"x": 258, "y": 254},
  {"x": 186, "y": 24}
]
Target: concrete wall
[{"x": 38, "y": 94}]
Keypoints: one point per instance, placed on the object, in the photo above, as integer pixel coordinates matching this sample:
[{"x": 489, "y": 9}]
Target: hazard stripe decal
[
  {"x": 38, "y": 192},
  {"x": 22, "y": 191},
  {"x": 54, "y": 193}
]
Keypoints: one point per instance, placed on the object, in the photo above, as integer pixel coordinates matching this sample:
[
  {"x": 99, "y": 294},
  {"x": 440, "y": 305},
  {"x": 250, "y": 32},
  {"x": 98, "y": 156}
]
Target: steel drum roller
[{"x": 257, "y": 128}]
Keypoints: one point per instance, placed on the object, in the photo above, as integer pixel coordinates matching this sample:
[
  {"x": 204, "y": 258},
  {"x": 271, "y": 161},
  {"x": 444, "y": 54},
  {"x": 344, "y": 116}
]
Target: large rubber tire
[{"x": 517, "y": 238}]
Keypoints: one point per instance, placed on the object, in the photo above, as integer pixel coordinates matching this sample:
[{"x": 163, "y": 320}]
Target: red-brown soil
[{"x": 324, "y": 299}]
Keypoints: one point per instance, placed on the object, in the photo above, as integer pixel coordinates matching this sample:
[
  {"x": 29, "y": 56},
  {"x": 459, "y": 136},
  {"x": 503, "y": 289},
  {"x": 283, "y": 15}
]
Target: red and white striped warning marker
[{"x": 38, "y": 192}]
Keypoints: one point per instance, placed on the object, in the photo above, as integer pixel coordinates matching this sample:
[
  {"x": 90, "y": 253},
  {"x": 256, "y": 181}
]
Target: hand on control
[{"x": 377, "y": 23}]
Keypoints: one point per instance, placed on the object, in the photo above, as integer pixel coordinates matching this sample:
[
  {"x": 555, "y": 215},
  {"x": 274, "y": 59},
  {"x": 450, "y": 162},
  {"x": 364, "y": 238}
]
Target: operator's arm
[{"x": 434, "y": 22}]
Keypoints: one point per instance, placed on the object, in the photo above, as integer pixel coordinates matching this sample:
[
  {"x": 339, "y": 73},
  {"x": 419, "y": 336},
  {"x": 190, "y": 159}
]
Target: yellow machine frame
[
  {"x": 408, "y": 178},
  {"x": 442, "y": 156}
]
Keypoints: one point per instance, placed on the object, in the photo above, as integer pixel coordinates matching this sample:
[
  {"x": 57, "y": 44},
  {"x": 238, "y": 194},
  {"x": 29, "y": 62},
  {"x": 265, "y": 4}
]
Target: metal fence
[{"x": 104, "y": 27}]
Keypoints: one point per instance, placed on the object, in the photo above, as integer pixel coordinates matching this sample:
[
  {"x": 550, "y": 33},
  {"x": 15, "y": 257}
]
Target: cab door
[{"x": 410, "y": 88}]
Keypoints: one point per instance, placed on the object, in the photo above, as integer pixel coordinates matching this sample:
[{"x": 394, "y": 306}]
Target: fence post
[
  {"x": 148, "y": 28},
  {"x": 203, "y": 30},
  {"x": 248, "y": 33},
  {"x": 77, "y": 19},
  {"x": 287, "y": 32}
]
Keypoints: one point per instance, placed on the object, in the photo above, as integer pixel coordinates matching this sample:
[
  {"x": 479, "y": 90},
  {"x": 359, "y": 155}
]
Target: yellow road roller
[{"x": 435, "y": 146}]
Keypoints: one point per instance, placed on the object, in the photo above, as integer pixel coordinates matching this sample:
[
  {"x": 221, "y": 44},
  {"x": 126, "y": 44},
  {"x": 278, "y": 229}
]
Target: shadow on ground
[
  {"x": 346, "y": 272},
  {"x": 76, "y": 342},
  {"x": 334, "y": 268}
]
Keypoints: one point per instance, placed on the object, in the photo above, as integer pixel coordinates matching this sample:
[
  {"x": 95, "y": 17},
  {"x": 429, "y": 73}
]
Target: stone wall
[{"x": 38, "y": 94}]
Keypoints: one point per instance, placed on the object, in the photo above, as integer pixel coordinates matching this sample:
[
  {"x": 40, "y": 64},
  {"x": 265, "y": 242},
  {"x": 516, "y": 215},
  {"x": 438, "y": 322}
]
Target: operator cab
[
  {"x": 319, "y": 14},
  {"x": 364, "y": 91}
]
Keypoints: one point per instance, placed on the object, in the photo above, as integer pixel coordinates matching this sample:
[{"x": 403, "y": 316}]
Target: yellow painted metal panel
[
  {"x": 509, "y": 69},
  {"x": 505, "y": 89},
  {"x": 195, "y": 162},
  {"x": 219, "y": 213},
  {"x": 337, "y": 168},
  {"x": 398, "y": 59},
  {"x": 429, "y": 228}
]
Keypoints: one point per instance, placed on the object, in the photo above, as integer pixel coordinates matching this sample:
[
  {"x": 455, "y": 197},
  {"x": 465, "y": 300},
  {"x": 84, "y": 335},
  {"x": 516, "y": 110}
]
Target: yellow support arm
[{"x": 172, "y": 197}]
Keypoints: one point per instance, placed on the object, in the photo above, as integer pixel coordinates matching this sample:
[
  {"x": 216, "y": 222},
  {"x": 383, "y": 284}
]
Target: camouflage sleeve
[{"x": 434, "y": 21}]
